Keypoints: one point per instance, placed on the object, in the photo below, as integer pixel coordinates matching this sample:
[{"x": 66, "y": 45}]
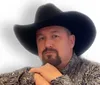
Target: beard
[{"x": 51, "y": 56}]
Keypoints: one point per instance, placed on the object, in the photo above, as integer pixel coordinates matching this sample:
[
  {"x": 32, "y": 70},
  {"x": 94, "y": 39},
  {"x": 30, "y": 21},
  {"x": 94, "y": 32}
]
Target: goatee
[{"x": 53, "y": 57}]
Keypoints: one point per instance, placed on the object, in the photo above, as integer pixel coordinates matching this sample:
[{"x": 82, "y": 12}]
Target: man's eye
[
  {"x": 41, "y": 38},
  {"x": 55, "y": 36}
]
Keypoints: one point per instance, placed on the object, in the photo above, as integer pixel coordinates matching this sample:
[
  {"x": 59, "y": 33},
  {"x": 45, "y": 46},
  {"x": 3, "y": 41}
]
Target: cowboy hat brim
[{"x": 79, "y": 24}]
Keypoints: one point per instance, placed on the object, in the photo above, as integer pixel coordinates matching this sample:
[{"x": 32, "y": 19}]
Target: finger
[
  {"x": 48, "y": 65},
  {"x": 39, "y": 80},
  {"x": 35, "y": 70}
]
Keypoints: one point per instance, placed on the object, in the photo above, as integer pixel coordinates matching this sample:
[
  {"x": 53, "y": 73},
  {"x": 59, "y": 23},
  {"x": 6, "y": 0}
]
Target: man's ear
[{"x": 72, "y": 40}]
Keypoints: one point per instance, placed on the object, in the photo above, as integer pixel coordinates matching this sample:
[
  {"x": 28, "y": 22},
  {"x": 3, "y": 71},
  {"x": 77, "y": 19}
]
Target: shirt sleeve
[
  {"x": 18, "y": 77},
  {"x": 62, "y": 80}
]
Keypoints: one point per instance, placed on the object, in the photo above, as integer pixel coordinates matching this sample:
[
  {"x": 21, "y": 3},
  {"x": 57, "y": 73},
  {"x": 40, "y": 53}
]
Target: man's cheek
[{"x": 40, "y": 56}]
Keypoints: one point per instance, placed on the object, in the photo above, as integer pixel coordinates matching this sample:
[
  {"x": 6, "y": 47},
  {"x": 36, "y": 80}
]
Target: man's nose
[{"x": 48, "y": 43}]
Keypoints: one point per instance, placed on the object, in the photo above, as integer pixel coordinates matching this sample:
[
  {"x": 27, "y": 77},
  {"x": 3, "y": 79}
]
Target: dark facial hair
[{"x": 55, "y": 61}]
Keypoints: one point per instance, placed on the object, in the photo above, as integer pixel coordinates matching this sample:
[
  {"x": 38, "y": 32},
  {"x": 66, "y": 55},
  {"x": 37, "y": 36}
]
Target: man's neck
[
  {"x": 64, "y": 63},
  {"x": 71, "y": 65}
]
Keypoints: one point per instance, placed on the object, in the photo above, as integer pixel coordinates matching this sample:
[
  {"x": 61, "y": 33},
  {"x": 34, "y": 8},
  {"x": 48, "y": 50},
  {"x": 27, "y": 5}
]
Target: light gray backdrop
[{"x": 13, "y": 56}]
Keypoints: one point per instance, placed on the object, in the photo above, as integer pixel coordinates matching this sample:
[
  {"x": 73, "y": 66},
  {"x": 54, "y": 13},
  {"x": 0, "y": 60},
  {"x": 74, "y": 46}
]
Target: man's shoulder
[
  {"x": 88, "y": 63},
  {"x": 89, "y": 67}
]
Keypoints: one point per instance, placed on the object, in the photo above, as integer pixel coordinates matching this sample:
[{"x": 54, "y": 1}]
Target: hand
[
  {"x": 39, "y": 80},
  {"x": 48, "y": 71}
]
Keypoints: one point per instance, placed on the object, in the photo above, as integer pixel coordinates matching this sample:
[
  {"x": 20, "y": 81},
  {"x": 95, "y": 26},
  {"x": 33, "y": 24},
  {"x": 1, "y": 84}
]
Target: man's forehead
[{"x": 51, "y": 29}]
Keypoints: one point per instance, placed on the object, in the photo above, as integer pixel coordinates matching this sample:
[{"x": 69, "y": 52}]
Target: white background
[{"x": 13, "y": 56}]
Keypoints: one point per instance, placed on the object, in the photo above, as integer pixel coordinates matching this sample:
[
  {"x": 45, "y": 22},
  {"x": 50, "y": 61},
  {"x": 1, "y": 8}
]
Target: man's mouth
[{"x": 49, "y": 52}]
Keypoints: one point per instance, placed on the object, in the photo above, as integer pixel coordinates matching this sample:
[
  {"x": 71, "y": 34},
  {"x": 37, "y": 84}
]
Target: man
[{"x": 59, "y": 38}]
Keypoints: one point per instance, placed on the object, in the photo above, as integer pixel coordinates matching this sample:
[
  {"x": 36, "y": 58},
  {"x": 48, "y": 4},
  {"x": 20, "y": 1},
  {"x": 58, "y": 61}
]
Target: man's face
[{"x": 55, "y": 45}]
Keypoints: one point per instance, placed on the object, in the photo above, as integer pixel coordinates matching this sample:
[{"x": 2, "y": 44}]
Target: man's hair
[{"x": 68, "y": 31}]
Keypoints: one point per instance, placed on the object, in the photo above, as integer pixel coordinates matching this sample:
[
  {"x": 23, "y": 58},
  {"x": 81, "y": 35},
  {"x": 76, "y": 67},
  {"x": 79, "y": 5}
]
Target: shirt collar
[{"x": 72, "y": 65}]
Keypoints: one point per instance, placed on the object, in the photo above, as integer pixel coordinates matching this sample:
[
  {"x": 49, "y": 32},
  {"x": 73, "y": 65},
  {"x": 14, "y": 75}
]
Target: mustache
[{"x": 48, "y": 49}]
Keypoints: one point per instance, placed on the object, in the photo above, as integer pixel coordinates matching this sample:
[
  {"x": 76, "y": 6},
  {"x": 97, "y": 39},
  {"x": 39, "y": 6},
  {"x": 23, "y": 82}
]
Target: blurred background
[{"x": 13, "y": 56}]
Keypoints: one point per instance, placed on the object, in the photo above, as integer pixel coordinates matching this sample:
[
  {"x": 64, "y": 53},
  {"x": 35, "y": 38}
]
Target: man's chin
[
  {"x": 53, "y": 62},
  {"x": 52, "y": 59}
]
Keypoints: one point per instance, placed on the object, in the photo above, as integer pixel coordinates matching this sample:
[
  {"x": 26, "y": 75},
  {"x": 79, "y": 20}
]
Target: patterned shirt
[{"x": 78, "y": 72}]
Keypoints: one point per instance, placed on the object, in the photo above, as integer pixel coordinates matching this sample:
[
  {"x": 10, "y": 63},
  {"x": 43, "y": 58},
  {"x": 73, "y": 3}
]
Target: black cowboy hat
[{"x": 79, "y": 24}]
